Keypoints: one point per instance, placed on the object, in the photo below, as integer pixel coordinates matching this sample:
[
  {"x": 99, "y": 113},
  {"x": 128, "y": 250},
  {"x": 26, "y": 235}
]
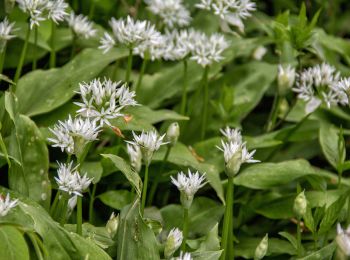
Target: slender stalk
[
  {"x": 184, "y": 230},
  {"x": 115, "y": 70},
  {"x": 63, "y": 210},
  {"x": 52, "y": 43},
  {"x": 2, "y": 58},
  {"x": 299, "y": 237},
  {"x": 184, "y": 89},
  {"x": 37, "y": 250},
  {"x": 348, "y": 215},
  {"x": 74, "y": 45},
  {"x": 227, "y": 218},
  {"x": 79, "y": 216},
  {"x": 144, "y": 190},
  {"x": 54, "y": 204},
  {"x": 156, "y": 181},
  {"x": 229, "y": 253},
  {"x": 139, "y": 81},
  {"x": 22, "y": 57},
  {"x": 128, "y": 70},
  {"x": 76, "y": 5},
  {"x": 92, "y": 9},
  {"x": 34, "y": 65},
  {"x": 91, "y": 204},
  {"x": 206, "y": 101},
  {"x": 274, "y": 113}
]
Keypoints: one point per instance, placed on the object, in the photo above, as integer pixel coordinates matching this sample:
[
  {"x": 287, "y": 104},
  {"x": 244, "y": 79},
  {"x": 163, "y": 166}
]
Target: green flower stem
[
  {"x": 63, "y": 209},
  {"x": 184, "y": 89},
  {"x": 206, "y": 101},
  {"x": 34, "y": 65},
  {"x": 91, "y": 204},
  {"x": 299, "y": 237},
  {"x": 184, "y": 230},
  {"x": 348, "y": 215},
  {"x": 144, "y": 190},
  {"x": 227, "y": 219},
  {"x": 22, "y": 57},
  {"x": 54, "y": 204},
  {"x": 142, "y": 72},
  {"x": 128, "y": 70},
  {"x": 115, "y": 70},
  {"x": 79, "y": 215},
  {"x": 74, "y": 45},
  {"x": 156, "y": 181},
  {"x": 2, "y": 59},
  {"x": 34, "y": 241},
  {"x": 52, "y": 43},
  {"x": 92, "y": 9},
  {"x": 274, "y": 113}
]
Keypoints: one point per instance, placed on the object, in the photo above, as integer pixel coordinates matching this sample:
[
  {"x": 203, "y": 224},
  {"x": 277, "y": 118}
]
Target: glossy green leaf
[
  {"x": 13, "y": 245},
  {"x": 116, "y": 199}
]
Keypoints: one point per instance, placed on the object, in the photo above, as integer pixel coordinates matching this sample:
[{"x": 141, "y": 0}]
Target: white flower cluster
[
  {"x": 343, "y": 239},
  {"x": 320, "y": 84},
  {"x": 148, "y": 142},
  {"x": 104, "y": 100},
  {"x": 81, "y": 25},
  {"x": 172, "y": 12},
  {"x": 72, "y": 134},
  {"x": 6, "y": 204},
  {"x": 235, "y": 151},
  {"x": 5, "y": 30},
  {"x": 173, "y": 242},
  {"x": 189, "y": 184},
  {"x": 231, "y": 11},
  {"x": 69, "y": 179},
  {"x": 40, "y": 10},
  {"x": 135, "y": 155}
]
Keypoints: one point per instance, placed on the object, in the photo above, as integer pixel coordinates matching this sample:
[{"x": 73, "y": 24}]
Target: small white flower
[
  {"x": 183, "y": 256},
  {"x": 173, "y": 242},
  {"x": 72, "y": 133},
  {"x": 57, "y": 10},
  {"x": 107, "y": 43},
  {"x": 285, "y": 78},
  {"x": 104, "y": 100},
  {"x": 208, "y": 50},
  {"x": 232, "y": 134},
  {"x": 149, "y": 142},
  {"x": 189, "y": 184},
  {"x": 232, "y": 149},
  {"x": 172, "y": 12},
  {"x": 72, "y": 202},
  {"x": 81, "y": 25},
  {"x": 135, "y": 156},
  {"x": 343, "y": 239},
  {"x": 36, "y": 10},
  {"x": 5, "y": 31},
  {"x": 6, "y": 204},
  {"x": 259, "y": 53},
  {"x": 204, "y": 4}
]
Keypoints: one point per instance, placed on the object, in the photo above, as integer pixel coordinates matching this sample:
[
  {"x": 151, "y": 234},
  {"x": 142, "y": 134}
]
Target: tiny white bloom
[
  {"x": 189, "y": 184},
  {"x": 81, "y": 25},
  {"x": 173, "y": 242},
  {"x": 204, "y": 4},
  {"x": 36, "y": 10},
  {"x": 5, "y": 31},
  {"x": 6, "y": 204},
  {"x": 232, "y": 149},
  {"x": 104, "y": 100},
  {"x": 107, "y": 42},
  {"x": 343, "y": 239},
  {"x": 135, "y": 156},
  {"x": 285, "y": 78},
  {"x": 259, "y": 53},
  {"x": 57, "y": 10},
  {"x": 232, "y": 134},
  {"x": 183, "y": 256}
]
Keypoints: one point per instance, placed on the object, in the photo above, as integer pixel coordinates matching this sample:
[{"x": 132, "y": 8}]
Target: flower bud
[
  {"x": 186, "y": 199},
  {"x": 261, "y": 249},
  {"x": 135, "y": 156},
  {"x": 300, "y": 205},
  {"x": 233, "y": 165},
  {"x": 285, "y": 79},
  {"x": 173, "y": 242},
  {"x": 259, "y": 53},
  {"x": 173, "y": 133},
  {"x": 112, "y": 225}
]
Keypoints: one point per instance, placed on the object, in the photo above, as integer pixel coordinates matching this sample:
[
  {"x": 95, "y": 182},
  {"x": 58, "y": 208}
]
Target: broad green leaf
[
  {"x": 211, "y": 241},
  {"x": 290, "y": 238},
  {"x": 206, "y": 255},
  {"x": 28, "y": 147},
  {"x": 134, "y": 238},
  {"x": 324, "y": 253},
  {"x": 116, "y": 199},
  {"x": 125, "y": 168},
  {"x": 41, "y": 91},
  {"x": 93, "y": 169},
  {"x": 13, "y": 245}
]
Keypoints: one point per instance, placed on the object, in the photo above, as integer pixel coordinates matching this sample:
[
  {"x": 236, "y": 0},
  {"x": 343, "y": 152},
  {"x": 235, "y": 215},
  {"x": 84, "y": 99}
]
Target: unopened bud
[
  {"x": 261, "y": 249},
  {"x": 112, "y": 225},
  {"x": 259, "y": 53},
  {"x": 285, "y": 78},
  {"x": 343, "y": 242},
  {"x": 186, "y": 200},
  {"x": 135, "y": 156},
  {"x": 173, "y": 133},
  {"x": 234, "y": 164},
  {"x": 173, "y": 242},
  {"x": 300, "y": 205}
]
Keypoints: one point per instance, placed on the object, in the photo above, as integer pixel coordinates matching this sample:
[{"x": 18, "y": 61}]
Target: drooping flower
[
  {"x": 73, "y": 134},
  {"x": 343, "y": 239},
  {"x": 104, "y": 100},
  {"x": 5, "y": 33},
  {"x": 173, "y": 242},
  {"x": 148, "y": 142},
  {"x": 135, "y": 155},
  {"x": 81, "y": 25},
  {"x": 6, "y": 204},
  {"x": 172, "y": 12},
  {"x": 232, "y": 12},
  {"x": 315, "y": 85}
]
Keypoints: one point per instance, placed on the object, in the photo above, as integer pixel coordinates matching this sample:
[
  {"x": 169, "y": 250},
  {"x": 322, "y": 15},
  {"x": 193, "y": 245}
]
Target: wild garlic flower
[
  {"x": 81, "y": 25},
  {"x": 41, "y": 10},
  {"x": 135, "y": 156},
  {"x": 73, "y": 134},
  {"x": 148, "y": 142},
  {"x": 173, "y": 242},
  {"x": 69, "y": 179},
  {"x": 315, "y": 85},
  {"x": 343, "y": 239},
  {"x": 285, "y": 79},
  {"x": 149, "y": 49},
  {"x": 104, "y": 100},
  {"x": 232, "y": 12},
  {"x": 6, "y": 204},
  {"x": 342, "y": 87},
  {"x": 5, "y": 33},
  {"x": 172, "y": 12},
  {"x": 235, "y": 151},
  {"x": 183, "y": 256},
  {"x": 188, "y": 186},
  {"x": 208, "y": 50},
  {"x": 107, "y": 43}
]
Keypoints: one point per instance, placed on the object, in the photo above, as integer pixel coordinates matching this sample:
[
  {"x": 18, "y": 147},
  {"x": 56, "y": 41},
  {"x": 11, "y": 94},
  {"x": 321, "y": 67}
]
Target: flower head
[
  {"x": 5, "y": 32},
  {"x": 316, "y": 85},
  {"x": 57, "y": 10},
  {"x": 173, "y": 242},
  {"x": 104, "y": 100},
  {"x": 6, "y": 204},
  {"x": 81, "y": 25},
  {"x": 285, "y": 78},
  {"x": 232, "y": 134},
  {"x": 232, "y": 12},
  {"x": 172, "y": 12},
  {"x": 148, "y": 142},
  {"x": 72, "y": 135},
  {"x": 208, "y": 50},
  {"x": 343, "y": 239},
  {"x": 107, "y": 43},
  {"x": 135, "y": 155}
]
